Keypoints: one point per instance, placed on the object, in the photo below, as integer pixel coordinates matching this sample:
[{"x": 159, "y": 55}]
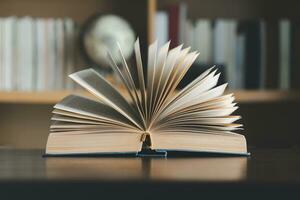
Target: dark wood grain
[{"x": 266, "y": 172}]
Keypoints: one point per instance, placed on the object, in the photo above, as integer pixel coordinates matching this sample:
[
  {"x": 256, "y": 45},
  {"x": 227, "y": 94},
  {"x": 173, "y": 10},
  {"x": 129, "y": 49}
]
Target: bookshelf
[
  {"x": 24, "y": 118},
  {"x": 52, "y": 97},
  {"x": 143, "y": 26}
]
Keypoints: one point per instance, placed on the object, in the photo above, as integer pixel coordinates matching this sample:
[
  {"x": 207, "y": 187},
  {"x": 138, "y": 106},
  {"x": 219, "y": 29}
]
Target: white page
[
  {"x": 130, "y": 89},
  {"x": 171, "y": 82},
  {"x": 84, "y": 106},
  {"x": 184, "y": 90},
  {"x": 151, "y": 72},
  {"x": 170, "y": 62},
  {"x": 93, "y": 117},
  {"x": 172, "y": 130},
  {"x": 140, "y": 73},
  {"x": 91, "y": 80},
  {"x": 218, "y": 91},
  {"x": 161, "y": 61},
  {"x": 218, "y": 102},
  {"x": 192, "y": 84},
  {"x": 177, "y": 70},
  {"x": 92, "y": 131},
  {"x": 206, "y": 84},
  {"x": 62, "y": 118},
  {"x": 177, "y": 77},
  {"x": 202, "y": 120},
  {"x": 128, "y": 81},
  {"x": 178, "y": 126}
]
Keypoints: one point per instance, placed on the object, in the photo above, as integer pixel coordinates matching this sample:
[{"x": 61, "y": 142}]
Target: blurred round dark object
[{"x": 103, "y": 32}]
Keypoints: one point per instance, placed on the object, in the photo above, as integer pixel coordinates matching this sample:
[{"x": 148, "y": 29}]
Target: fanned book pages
[{"x": 151, "y": 115}]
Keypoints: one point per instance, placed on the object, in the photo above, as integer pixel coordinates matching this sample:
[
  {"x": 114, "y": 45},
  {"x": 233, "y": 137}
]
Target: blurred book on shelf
[
  {"x": 254, "y": 53},
  {"x": 295, "y": 58},
  {"x": 285, "y": 53},
  {"x": 161, "y": 24},
  {"x": 253, "y": 32},
  {"x": 36, "y": 54}
]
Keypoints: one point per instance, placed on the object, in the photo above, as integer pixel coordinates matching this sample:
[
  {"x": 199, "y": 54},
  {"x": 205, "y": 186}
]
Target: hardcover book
[{"x": 150, "y": 114}]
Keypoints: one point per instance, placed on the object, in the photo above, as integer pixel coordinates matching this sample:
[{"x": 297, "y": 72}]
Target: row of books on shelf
[
  {"x": 36, "y": 53},
  {"x": 241, "y": 48}
]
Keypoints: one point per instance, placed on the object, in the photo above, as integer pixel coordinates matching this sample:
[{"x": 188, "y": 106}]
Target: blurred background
[{"x": 255, "y": 44}]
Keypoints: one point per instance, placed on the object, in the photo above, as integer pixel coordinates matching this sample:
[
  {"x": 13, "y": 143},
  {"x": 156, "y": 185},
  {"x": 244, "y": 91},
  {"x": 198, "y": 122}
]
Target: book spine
[
  {"x": 240, "y": 60},
  {"x": 1, "y": 53},
  {"x": 22, "y": 65},
  {"x": 263, "y": 48},
  {"x": 295, "y": 69},
  {"x": 59, "y": 55},
  {"x": 14, "y": 61},
  {"x": 30, "y": 56},
  {"x": 77, "y": 58},
  {"x": 69, "y": 51},
  {"x": 219, "y": 42},
  {"x": 40, "y": 55},
  {"x": 34, "y": 55},
  {"x": 203, "y": 40},
  {"x": 284, "y": 53},
  {"x": 253, "y": 54},
  {"x": 183, "y": 9},
  {"x": 25, "y": 63},
  {"x": 51, "y": 54},
  {"x": 224, "y": 48},
  {"x": 161, "y": 27},
  {"x": 231, "y": 53},
  {"x": 189, "y": 36},
  {"x": 19, "y": 55},
  {"x": 8, "y": 53},
  {"x": 173, "y": 15},
  {"x": 272, "y": 54}
]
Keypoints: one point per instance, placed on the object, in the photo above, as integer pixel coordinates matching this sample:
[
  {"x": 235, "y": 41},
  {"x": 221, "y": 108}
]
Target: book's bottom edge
[
  {"x": 103, "y": 154},
  {"x": 176, "y": 152},
  {"x": 153, "y": 153}
]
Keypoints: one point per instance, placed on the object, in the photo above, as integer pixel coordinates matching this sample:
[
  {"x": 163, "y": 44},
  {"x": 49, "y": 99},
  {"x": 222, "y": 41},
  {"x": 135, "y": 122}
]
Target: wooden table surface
[{"x": 266, "y": 173}]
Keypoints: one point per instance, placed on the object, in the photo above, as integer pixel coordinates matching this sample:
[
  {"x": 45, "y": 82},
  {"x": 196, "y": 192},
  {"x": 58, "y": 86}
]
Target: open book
[{"x": 153, "y": 115}]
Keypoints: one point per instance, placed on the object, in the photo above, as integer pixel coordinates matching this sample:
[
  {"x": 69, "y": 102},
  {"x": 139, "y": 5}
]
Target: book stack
[
  {"x": 36, "y": 53},
  {"x": 253, "y": 54}
]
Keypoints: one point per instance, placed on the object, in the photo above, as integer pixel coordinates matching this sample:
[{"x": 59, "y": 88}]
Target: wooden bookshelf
[
  {"x": 47, "y": 97},
  {"x": 52, "y": 97},
  {"x": 143, "y": 22},
  {"x": 259, "y": 96},
  {"x": 25, "y": 116}
]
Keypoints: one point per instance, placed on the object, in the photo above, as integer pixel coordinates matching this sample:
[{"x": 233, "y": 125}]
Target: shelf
[
  {"x": 48, "y": 97},
  {"x": 252, "y": 96},
  {"x": 52, "y": 97}
]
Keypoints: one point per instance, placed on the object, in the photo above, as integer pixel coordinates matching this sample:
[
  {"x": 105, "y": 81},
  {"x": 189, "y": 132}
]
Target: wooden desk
[{"x": 267, "y": 173}]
